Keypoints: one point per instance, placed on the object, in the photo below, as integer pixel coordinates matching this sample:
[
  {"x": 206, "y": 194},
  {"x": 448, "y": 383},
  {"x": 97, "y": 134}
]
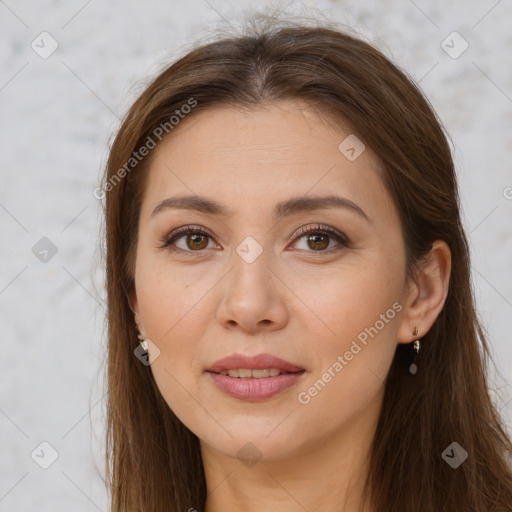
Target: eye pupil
[{"x": 316, "y": 239}]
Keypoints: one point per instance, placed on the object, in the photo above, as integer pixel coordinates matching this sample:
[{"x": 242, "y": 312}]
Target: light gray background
[{"x": 56, "y": 117}]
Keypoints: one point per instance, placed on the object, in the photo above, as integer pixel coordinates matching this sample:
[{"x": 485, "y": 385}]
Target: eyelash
[{"x": 322, "y": 229}]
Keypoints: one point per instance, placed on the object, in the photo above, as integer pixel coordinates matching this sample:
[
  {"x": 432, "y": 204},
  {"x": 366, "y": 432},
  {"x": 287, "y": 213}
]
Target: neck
[{"x": 327, "y": 474}]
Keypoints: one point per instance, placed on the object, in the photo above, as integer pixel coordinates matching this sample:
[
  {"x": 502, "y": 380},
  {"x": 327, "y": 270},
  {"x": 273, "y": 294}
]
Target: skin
[{"x": 304, "y": 305}]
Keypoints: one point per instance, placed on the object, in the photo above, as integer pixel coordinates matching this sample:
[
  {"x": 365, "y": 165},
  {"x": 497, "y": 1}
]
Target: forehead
[{"x": 264, "y": 154}]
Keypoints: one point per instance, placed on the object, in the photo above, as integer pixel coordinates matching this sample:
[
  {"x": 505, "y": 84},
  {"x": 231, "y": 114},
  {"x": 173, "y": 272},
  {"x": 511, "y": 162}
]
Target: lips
[{"x": 258, "y": 362}]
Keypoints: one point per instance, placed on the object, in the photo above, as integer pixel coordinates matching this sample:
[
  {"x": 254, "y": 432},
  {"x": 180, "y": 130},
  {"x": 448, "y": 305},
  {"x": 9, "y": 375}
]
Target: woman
[{"x": 290, "y": 317}]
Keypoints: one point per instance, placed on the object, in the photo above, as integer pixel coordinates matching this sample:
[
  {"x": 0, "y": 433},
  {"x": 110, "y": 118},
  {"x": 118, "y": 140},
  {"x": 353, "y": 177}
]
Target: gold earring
[{"x": 415, "y": 347}]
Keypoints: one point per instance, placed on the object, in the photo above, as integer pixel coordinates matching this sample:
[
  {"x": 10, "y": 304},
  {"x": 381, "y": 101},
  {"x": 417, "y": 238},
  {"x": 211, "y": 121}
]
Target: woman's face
[{"x": 275, "y": 270}]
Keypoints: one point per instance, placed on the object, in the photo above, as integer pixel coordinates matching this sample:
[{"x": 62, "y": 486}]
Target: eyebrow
[{"x": 281, "y": 210}]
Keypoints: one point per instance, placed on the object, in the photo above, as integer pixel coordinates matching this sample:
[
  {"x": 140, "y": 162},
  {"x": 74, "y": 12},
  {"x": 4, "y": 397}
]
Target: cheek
[
  {"x": 169, "y": 298},
  {"x": 176, "y": 311},
  {"x": 175, "y": 322},
  {"x": 349, "y": 381},
  {"x": 356, "y": 318},
  {"x": 345, "y": 300}
]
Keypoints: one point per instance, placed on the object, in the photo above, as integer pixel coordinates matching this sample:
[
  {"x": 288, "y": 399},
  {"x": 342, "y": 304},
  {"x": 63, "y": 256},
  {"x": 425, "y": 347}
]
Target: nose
[{"x": 253, "y": 297}]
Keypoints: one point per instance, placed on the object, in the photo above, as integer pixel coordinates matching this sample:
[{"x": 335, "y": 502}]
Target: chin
[{"x": 254, "y": 444}]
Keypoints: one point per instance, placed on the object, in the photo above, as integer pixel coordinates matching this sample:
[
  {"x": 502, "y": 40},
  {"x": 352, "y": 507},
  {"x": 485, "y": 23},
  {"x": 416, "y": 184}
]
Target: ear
[{"x": 427, "y": 293}]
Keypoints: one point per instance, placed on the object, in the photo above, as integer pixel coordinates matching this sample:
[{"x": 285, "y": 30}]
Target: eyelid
[
  {"x": 318, "y": 227},
  {"x": 185, "y": 229}
]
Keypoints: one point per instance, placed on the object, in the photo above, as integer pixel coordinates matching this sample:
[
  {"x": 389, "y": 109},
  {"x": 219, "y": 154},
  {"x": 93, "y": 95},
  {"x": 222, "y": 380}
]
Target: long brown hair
[{"x": 153, "y": 460}]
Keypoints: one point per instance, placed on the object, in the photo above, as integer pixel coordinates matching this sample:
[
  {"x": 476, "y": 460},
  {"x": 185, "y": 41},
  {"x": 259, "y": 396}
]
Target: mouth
[{"x": 254, "y": 377}]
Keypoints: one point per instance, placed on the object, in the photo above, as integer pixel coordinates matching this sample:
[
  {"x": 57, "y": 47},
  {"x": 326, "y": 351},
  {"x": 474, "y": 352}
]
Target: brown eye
[
  {"x": 318, "y": 242},
  {"x": 188, "y": 239},
  {"x": 196, "y": 241},
  {"x": 318, "y": 239}
]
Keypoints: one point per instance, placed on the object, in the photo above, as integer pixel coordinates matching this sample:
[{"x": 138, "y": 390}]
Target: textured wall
[{"x": 56, "y": 116}]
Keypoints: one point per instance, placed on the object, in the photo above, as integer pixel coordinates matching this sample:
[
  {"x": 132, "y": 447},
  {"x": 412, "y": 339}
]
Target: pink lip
[
  {"x": 255, "y": 389},
  {"x": 258, "y": 362},
  {"x": 251, "y": 388}
]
